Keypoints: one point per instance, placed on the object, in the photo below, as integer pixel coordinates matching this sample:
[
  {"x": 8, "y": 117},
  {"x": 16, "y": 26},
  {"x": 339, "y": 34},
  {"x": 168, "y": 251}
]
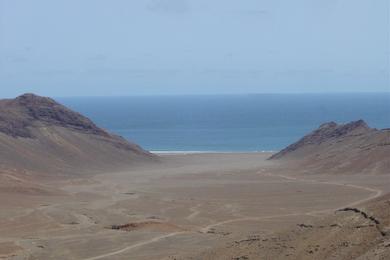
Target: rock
[
  {"x": 37, "y": 134},
  {"x": 324, "y": 133},
  {"x": 25, "y": 111}
]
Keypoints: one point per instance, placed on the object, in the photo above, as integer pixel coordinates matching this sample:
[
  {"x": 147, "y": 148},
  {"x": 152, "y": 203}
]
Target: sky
[{"x": 159, "y": 47}]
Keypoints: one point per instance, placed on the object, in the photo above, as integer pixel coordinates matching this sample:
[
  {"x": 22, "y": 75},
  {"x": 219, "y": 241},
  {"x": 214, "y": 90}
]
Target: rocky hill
[
  {"x": 351, "y": 147},
  {"x": 37, "y": 134}
]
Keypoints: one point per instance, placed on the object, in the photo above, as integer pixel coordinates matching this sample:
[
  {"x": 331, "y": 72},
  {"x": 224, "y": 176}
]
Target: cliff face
[
  {"x": 351, "y": 147},
  {"x": 39, "y": 134}
]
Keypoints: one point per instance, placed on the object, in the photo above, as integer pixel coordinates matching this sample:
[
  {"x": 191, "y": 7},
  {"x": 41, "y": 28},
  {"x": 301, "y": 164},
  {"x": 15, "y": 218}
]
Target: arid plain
[
  {"x": 179, "y": 207},
  {"x": 72, "y": 190}
]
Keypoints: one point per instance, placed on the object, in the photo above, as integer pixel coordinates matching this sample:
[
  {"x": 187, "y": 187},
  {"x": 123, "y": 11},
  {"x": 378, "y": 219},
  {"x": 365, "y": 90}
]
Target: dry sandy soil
[{"x": 195, "y": 206}]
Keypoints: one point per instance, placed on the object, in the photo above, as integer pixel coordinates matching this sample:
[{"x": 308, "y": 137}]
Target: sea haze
[{"x": 225, "y": 123}]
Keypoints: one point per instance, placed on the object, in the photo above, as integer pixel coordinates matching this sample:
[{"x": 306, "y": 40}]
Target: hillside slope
[
  {"x": 352, "y": 147},
  {"x": 358, "y": 231},
  {"x": 37, "y": 134},
  {"x": 349, "y": 233}
]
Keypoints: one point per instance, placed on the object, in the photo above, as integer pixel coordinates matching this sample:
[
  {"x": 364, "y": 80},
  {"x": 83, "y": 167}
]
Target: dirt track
[
  {"x": 206, "y": 229},
  {"x": 213, "y": 198}
]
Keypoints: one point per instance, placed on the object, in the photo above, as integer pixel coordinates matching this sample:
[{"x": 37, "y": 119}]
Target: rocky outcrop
[
  {"x": 326, "y": 132},
  {"x": 352, "y": 233},
  {"x": 28, "y": 110},
  {"x": 340, "y": 148},
  {"x": 39, "y": 134},
  {"x": 365, "y": 215}
]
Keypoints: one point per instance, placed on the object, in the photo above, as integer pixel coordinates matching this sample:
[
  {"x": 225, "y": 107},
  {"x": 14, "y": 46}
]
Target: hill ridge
[
  {"x": 41, "y": 135},
  {"x": 17, "y": 115},
  {"x": 326, "y": 132}
]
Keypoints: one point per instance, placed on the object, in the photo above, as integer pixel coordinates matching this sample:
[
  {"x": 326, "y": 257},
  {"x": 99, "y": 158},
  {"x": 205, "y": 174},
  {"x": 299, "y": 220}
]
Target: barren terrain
[
  {"x": 188, "y": 206},
  {"x": 72, "y": 190}
]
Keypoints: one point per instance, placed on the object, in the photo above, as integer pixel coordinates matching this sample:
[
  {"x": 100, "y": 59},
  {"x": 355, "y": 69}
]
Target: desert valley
[{"x": 71, "y": 190}]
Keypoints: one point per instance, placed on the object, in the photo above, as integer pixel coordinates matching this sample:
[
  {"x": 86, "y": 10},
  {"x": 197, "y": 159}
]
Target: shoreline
[{"x": 208, "y": 152}]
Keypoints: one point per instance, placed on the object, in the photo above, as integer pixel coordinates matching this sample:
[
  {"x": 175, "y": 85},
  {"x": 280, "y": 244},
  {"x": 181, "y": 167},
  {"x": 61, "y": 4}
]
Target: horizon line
[
  {"x": 226, "y": 94},
  {"x": 204, "y": 94}
]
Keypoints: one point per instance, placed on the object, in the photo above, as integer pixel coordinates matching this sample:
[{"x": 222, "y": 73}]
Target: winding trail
[
  {"x": 207, "y": 228},
  {"x": 195, "y": 212},
  {"x": 377, "y": 192},
  {"x": 136, "y": 245}
]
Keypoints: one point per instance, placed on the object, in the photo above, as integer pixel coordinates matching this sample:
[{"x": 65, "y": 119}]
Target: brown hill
[
  {"x": 37, "y": 134},
  {"x": 352, "y": 147}
]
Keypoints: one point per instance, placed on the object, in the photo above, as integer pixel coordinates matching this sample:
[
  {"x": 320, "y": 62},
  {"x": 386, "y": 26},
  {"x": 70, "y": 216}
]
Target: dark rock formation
[
  {"x": 38, "y": 134},
  {"x": 366, "y": 216},
  {"x": 325, "y": 133},
  {"x": 16, "y": 116}
]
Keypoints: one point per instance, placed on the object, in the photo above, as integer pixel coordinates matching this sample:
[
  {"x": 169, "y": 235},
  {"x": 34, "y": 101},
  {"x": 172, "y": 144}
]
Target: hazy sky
[{"x": 133, "y": 47}]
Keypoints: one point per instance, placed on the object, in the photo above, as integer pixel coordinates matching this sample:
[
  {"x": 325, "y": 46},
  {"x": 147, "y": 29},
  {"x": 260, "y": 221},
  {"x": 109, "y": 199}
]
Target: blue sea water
[{"x": 255, "y": 122}]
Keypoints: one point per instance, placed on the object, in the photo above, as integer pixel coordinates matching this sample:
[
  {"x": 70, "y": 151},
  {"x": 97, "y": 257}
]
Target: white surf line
[
  {"x": 207, "y": 152},
  {"x": 136, "y": 245}
]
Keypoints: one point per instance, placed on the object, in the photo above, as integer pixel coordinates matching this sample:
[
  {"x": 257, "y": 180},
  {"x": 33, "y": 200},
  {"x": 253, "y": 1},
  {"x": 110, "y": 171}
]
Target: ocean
[{"x": 228, "y": 123}]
